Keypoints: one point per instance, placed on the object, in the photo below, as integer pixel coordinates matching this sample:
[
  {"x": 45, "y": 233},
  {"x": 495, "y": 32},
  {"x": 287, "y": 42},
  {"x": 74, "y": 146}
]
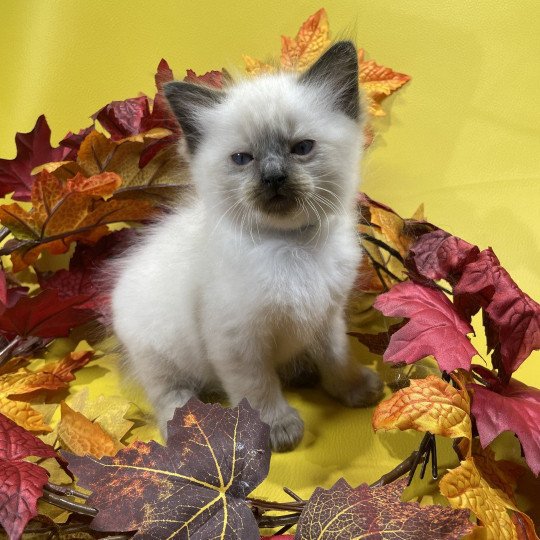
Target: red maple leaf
[
  {"x": 439, "y": 255},
  {"x": 512, "y": 407},
  {"x": 21, "y": 482},
  {"x": 435, "y": 327},
  {"x": 45, "y": 315},
  {"x": 72, "y": 141},
  {"x": 33, "y": 149},
  {"x": 512, "y": 318}
]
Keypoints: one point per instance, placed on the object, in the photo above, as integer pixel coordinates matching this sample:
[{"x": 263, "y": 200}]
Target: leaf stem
[{"x": 61, "y": 502}]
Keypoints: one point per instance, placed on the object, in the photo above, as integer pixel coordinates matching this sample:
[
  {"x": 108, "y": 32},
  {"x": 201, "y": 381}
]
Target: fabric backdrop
[{"x": 463, "y": 137}]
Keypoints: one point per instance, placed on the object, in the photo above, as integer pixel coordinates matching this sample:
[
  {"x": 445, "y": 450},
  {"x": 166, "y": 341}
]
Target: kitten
[{"x": 256, "y": 271}]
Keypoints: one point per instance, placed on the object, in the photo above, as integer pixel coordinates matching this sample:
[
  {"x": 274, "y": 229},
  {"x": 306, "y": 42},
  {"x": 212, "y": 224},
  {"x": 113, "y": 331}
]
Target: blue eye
[
  {"x": 303, "y": 147},
  {"x": 242, "y": 158}
]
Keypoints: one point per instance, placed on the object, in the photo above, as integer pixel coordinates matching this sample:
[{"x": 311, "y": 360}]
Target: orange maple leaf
[
  {"x": 429, "y": 404},
  {"x": 51, "y": 376}
]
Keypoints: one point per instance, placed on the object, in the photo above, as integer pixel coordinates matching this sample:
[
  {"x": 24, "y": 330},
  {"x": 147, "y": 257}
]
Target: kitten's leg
[
  {"x": 352, "y": 384},
  {"x": 250, "y": 374},
  {"x": 164, "y": 384}
]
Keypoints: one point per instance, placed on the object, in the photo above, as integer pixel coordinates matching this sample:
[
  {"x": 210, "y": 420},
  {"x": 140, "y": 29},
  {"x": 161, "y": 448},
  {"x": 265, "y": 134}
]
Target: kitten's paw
[
  {"x": 363, "y": 388},
  {"x": 286, "y": 431}
]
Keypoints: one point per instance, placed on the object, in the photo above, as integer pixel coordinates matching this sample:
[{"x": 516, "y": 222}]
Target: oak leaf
[
  {"x": 33, "y": 149},
  {"x": 343, "y": 512},
  {"x": 429, "y": 404},
  {"x": 435, "y": 327},
  {"x": 21, "y": 482},
  {"x": 193, "y": 488},
  {"x": 481, "y": 484},
  {"x": 513, "y": 407},
  {"x": 51, "y": 376}
]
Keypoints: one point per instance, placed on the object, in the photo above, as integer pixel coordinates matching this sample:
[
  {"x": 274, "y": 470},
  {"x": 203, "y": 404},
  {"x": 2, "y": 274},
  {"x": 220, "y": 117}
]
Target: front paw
[
  {"x": 286, "y": 431},
  {"x": 362, "y": 388}
]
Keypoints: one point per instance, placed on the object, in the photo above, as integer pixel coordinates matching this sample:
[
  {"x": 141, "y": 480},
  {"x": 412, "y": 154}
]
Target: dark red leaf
[
  {"x": 123, "y": 118},
  {"x": 211, "y": 78},
  {"x": 439, "y": 255},
  {"x": 512, "y": 317},
  {"x": 33, "y": 149},
  {"x": 85, "y": 276},
  {"x": 435, "y": 327},
  {"x": 45, "y": 315},
  {"x": 377, "y": 343},
  {"x": 514, "y": 407},
  {"x": 3, "y": 291},
  {"x": 343, "y": 513},
  {"x": 21, "y": 482},
  {"x": 73, "y": 141},
  {"x": 193, "y": 488}
]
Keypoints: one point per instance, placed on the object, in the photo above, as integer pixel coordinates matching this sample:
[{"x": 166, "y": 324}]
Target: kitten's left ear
[
  {"x": 186, "y": 101},
  {"x": 336, "y": 71}
]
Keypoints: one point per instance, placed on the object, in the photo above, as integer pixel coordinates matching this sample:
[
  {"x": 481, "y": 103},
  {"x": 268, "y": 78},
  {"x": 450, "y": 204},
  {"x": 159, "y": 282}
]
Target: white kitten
[{"x": 256, "y": 272}]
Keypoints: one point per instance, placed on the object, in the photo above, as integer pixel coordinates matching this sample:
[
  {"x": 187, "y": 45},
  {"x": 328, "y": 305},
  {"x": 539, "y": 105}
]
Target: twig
[
  {"x": 382, "y": 245},
  {"x": 403, "y": 468},
  {"x": 4, "y": 231},
  {"x": 5, "y": 352},
  {"x": 66, "y": 504},
  {"x": 68, "y": 492}
]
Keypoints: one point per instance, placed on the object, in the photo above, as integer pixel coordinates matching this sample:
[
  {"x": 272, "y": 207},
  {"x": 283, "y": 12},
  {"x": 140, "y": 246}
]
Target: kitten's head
[{"x": 280, "y": 150}]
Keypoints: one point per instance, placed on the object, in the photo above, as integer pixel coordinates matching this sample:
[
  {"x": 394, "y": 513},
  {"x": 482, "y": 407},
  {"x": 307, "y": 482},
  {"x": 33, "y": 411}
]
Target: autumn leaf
[
  {"x": 84, "y": 276},
  {"x": 378, "y": 82},
  {"x": 82, "y": 437},
  {"x": 193, "y": 488},
  {"x": 377, "y": 343},
  {"x": 439, "y": 255},
  {"x": 312, "y": 39},
  {"x": 435, "y": 327},
  {"x": 45, "y": 315},
  {"x": 21, "y": 482},
  {"x": 513, "y": 407},
  {"x": 51, "y": 376},
  {"x": 211, "y": 78},
  {"x": 481, "y": 484},
  {"x": 63, "y": 212},
  {"x": 429, "y": 404},
  {"x": 343, "y": 512},
  {"x": 33, "y": 149},
  {"x": 513, "y": 317}
]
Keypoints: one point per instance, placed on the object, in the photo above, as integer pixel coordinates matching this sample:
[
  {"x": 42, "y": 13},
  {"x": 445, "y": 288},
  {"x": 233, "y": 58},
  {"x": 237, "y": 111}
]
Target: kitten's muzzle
[{"x": 274, "y": 181}]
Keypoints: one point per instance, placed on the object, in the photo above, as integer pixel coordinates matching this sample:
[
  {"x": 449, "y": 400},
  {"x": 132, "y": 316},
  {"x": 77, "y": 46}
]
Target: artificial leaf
[
  {"x": 378, "y": 82},
  {"x": 429, "y": 404},
  {"x": 45, "y": 315},
  {"x": 72, "y": 142},
  {"x": 513, "y": 317},
  {"x": 82, "y": 437},
  {"x": 256, "y": 67},
  {"x": 312, "y": 39},
  {"x": 377, "y": 343},
  {"x": 33, "y": 149},
  {"x": 84, "y": 276},
  {"x": 65, "y": 211},
  {"x": 480, "y": 484},
  {"x": 513, "y": 407},
  {"x": 211, "y": 78},
  {"x": 343, "y": 512},
  {"x": 439, "y": 255},
  {"x": 152, "y": 182},
  {"x": 123, "y": 118},
  {"x": 51, "y": 376},
  {"x": 21, "y": 482},
  {"x": 434, "y": 324},
  {"x": 193, "y": 488}
]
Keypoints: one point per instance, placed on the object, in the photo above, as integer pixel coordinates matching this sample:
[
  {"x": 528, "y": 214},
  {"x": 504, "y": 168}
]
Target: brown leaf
[{"x": 343, "y": 513}]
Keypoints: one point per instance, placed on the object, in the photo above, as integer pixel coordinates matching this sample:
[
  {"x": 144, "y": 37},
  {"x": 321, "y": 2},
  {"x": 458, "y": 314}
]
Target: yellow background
[{"x": 463, "y": 137}]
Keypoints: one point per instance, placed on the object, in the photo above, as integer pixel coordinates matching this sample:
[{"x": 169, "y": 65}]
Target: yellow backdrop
[{"x": 463, "y": 137}]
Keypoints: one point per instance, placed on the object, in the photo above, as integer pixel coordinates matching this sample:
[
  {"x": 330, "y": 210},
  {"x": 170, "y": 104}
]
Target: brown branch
[{"x": 66, "y": 504}]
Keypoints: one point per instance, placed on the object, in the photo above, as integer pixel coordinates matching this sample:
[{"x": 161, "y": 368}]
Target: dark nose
[{"x": 274, "y": 180}]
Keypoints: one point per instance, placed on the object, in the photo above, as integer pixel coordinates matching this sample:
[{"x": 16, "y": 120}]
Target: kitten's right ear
[{"x": 186, "y": 101}]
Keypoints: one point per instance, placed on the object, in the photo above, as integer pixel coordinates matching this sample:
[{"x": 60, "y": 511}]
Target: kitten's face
[{"x": 277, "y": 150}]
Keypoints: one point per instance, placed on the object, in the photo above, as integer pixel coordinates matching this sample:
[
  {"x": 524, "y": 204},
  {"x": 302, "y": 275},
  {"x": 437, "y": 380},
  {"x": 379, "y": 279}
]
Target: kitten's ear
[
  {"x": 186, "y": 101},
  {"x": 336, "y": 72}
]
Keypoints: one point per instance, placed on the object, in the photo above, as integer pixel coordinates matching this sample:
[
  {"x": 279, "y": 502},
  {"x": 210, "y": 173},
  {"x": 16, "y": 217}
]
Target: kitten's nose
[{"x": 274, "y": 180}]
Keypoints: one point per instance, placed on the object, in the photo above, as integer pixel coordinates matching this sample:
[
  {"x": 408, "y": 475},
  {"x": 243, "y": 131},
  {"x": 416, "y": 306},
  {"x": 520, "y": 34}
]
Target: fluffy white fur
[{"x": 223, "y": 293}]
